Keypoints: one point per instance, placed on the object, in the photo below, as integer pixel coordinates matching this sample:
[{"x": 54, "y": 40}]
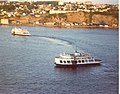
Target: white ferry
[
  {"x": 19, "y": 31},
  {"x": 75, "y": 59}
]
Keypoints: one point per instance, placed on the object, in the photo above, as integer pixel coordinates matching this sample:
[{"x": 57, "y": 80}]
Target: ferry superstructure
[{"x": 74, "y": 59}]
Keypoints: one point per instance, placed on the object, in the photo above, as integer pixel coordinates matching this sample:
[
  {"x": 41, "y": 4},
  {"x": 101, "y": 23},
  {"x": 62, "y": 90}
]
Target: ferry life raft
[{"x": 66, "y": 59}]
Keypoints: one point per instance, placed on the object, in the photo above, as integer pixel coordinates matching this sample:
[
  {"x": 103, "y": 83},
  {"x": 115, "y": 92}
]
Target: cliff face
[
  {"x": 92, "y": 18},
  {"x": 103, "y": 19},
  {"x": 81, "y": 17},
  {"x": 77, "y": 17}
]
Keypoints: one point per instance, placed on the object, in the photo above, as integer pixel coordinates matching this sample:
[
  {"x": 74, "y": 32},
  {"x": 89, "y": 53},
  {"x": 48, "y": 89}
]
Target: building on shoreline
[{"x": 4, "y": 21}]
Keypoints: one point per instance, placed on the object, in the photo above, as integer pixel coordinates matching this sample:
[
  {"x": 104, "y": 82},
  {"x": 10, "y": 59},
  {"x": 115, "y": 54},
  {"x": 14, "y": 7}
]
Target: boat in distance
[
  {"x": 66, "y": 59},
  {"x": 20, "y": 32}
]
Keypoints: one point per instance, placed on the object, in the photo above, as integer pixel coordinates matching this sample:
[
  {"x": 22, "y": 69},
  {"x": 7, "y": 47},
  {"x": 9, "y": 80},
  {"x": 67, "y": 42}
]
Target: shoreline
[{"x": 60, "y": 26}]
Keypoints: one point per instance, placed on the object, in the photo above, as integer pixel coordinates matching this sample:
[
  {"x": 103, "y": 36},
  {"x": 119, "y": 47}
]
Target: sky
[{"x": 97, "y": 1}]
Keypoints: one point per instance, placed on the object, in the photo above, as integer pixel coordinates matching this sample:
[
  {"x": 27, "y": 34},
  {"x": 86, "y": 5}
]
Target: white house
[{"x": 5, "y": 21}]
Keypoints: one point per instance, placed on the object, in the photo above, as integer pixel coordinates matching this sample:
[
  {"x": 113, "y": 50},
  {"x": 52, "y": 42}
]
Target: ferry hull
[
  {"x": 73, "y": 62},
  {"x": 22, "y": 34},
  {"x": 76, "y": 65}
]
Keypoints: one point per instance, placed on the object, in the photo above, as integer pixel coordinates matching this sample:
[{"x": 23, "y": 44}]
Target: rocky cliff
[{"x": 83, "y": 18}]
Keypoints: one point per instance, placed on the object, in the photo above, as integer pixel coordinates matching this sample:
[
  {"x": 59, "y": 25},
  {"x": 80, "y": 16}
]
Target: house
[
  {"x": 59, "y": 11},
  {"x": 49, "y": 23},
  {"x": 4, "y": 21}
]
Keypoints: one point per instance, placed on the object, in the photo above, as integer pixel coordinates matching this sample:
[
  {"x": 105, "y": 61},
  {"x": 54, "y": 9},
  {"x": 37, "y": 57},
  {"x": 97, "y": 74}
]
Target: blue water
[{"x": 27, "y": 62}]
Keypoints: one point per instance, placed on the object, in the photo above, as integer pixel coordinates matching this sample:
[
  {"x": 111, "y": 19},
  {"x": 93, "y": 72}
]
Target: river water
[{"x": 27, "y": 62}]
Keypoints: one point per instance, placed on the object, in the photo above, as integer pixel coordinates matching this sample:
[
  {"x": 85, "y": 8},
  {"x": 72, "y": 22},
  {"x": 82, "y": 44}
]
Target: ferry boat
[
  {"x": 19, "y": 31},
  {"x": 74, "y": 59}
]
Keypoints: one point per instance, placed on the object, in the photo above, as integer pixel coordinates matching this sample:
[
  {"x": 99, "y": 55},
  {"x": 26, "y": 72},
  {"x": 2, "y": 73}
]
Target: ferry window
[
  {"x": 64, "y": 61},
  {"x": 91, "y": 60},
  {"x": 60, "y": 61},
  {"x": 88, "y": 57},
  {"x": 83, "y": 61},
  {"x": 79, "y": 61},
  {"x": 68, "y": 61},
  {"x": 75, "y": 61}
]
